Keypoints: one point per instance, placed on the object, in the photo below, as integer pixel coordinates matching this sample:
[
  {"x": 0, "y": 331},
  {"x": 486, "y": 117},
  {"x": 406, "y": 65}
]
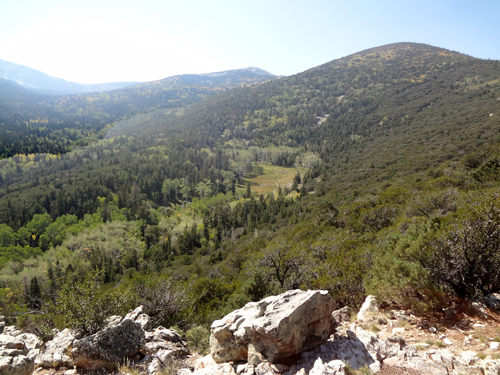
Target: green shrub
[
  {"x": 84, "y": 305},
  {"x": 198, "y": 339}
]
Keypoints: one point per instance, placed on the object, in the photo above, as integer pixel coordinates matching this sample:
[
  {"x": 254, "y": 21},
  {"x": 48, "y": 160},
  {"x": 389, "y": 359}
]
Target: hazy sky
[{"x": 91, "y": 41}]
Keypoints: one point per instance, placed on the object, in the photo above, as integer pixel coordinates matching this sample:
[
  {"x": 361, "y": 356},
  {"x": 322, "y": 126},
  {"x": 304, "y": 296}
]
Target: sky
[{"x": 94, "y": 41}]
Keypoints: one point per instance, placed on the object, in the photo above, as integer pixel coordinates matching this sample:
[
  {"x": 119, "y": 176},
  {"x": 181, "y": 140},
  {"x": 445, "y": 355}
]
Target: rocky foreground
[{"x": 293, "y": 333}]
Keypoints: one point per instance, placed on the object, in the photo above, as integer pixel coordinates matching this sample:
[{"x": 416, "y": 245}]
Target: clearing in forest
[{"x": 265, "y": 177}]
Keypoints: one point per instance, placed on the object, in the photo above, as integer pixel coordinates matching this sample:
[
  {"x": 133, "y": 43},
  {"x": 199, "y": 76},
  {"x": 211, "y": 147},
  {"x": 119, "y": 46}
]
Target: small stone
[
  {"x": 432, "y": 330},
  {"x": 494, "y": 345},
  {"x": 382, "y": 320},
  {"x": 447, "y": 341}
]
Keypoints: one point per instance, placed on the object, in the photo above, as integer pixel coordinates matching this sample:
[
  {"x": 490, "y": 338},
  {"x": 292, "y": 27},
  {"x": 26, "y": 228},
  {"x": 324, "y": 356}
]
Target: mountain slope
[
  {"x": 82, "y": 119},
  {"x": 35, "y": 80},
  {"x": 379, "y": 113},
  {"x": 396, "y": 170},
  {"x": 374, "y": 116}
]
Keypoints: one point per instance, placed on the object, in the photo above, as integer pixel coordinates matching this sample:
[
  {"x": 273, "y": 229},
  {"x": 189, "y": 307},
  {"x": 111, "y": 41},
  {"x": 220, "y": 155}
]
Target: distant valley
[{"x": 377, "y": 173}]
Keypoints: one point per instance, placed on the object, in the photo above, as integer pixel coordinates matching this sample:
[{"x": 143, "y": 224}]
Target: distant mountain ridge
[
  {"x": 40, "y": 82},
  {"x": 251, "y": 69},
  {"x": 76, "y": 120}
]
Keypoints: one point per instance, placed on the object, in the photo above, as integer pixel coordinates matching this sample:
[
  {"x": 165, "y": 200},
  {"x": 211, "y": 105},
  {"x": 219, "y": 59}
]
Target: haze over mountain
[{"x": 35, "y": 80}]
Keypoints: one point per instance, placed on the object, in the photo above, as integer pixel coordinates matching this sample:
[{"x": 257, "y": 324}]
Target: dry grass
[{"x": 269, "y": 177}]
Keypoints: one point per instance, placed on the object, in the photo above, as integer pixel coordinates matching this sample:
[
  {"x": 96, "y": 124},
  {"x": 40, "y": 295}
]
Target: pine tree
[{"x": 35, "y": 294}]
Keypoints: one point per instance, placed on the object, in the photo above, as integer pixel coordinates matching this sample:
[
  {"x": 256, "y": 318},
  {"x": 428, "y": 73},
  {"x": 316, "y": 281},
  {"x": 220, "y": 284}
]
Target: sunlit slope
[{"x": 379, "y": 113}]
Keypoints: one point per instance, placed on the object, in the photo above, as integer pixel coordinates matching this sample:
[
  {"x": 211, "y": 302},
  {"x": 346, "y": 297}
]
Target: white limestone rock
[{"x": 277, "y": 327}]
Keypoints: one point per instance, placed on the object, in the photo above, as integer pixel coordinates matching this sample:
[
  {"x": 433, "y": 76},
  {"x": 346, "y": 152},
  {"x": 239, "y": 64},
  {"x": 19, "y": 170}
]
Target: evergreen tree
[{"x": 35, "y": 294}]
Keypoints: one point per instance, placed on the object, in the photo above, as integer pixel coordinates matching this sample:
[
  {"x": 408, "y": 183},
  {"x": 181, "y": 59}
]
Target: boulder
[
  {"x": 164, "y": 334},
  {"x": 10, "y": 342},
  {"x": 11, "y": 331},
  {"x": 111, "y": 345},
  {"x": 16, "y": 365},
  {"x": 276, "y": 327},
  {"x": 13, "y": 357},
  {"x": 492, "y": 300}
]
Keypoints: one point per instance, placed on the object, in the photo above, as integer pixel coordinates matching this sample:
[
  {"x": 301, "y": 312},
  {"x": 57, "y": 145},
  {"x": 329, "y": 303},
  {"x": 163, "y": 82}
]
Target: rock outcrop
[
  {"x": 13, "y": 357},
  {"x": 274, "y": 328},
  {"x": 57, "y": 351},
  {"x": 287, "y": 334},
  {"x": 112, "y": 345}
]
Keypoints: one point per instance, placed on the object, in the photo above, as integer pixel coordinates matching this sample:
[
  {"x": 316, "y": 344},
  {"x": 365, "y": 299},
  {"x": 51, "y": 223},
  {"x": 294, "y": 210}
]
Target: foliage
[
  {"x": 393, "y": 152},
  {"x": 163, "y": 300},
  {"x": 287, "y": 264},
  {"x": 469, "y": 249},
  {"x": 398, "y": 273},
  {"x": 83, "y": 304},
  {"x": 198, "y": 339}
]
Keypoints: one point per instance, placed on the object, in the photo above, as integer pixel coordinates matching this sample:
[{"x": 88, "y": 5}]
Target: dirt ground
[{"x": 459, "y": 329}]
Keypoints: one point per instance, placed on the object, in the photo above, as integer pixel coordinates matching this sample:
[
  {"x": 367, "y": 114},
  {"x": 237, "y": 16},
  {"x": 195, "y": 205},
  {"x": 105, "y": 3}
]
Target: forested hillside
[
  {"x": 375, "y": 173},
  {"x": 35, "y": 123}
]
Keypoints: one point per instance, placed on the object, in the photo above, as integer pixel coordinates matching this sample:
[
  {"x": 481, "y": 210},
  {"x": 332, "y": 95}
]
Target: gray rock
[
  {"x": 13, "y": 357},
  {"x": 397, "y": 339},
  {"x": 17, "y": 365},
  {"x": 31, "y": 341},
  {"x": 277, "y": 326},
  {"x": 112, "y": 345},
  {"x": 11, "y": 331},
  {"x": 492, "y": 300},
  {"x": 343, "y": 315},
  {"x": 164, "y": 334},
  {"x": 163, "y": 359},
  {"x": 56, "y": 353},
  {"x": 9, "y": 342}
]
